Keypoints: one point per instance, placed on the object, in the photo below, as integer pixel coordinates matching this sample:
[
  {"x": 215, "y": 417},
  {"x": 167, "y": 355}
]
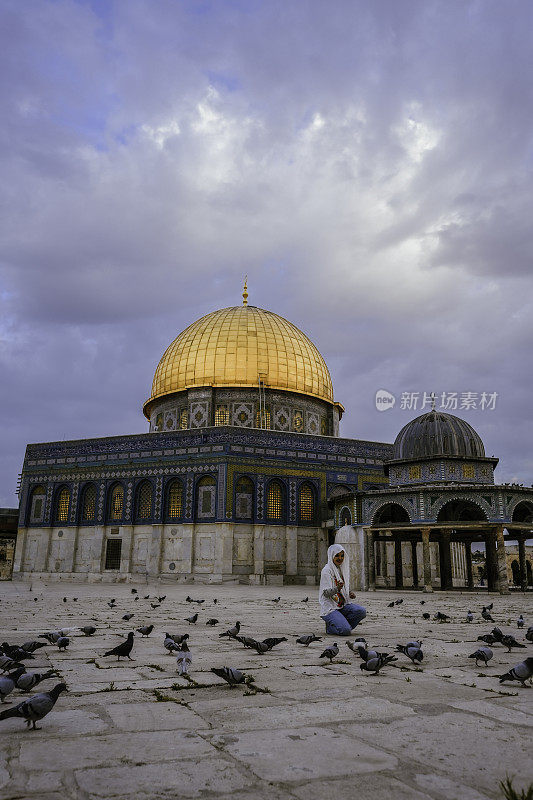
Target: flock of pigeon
[{"x": 16, "y": 677}]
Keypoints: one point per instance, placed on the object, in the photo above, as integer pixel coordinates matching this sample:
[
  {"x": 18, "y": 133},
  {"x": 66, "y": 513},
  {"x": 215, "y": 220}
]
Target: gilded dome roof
[
  {"x": 233, "y": 347},
  {"x": 437, "y": 434}
]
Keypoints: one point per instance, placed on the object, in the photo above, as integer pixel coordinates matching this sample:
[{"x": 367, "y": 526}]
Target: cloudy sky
[{"x": 367, "y": 164}]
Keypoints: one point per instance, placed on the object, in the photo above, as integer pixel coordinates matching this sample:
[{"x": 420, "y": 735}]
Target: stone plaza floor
[{"x": 133, "y": 729}]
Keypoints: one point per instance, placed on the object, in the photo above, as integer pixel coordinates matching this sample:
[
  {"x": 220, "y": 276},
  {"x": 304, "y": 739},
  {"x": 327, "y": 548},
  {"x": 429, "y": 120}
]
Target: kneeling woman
[{"x": 334, "y": 597}]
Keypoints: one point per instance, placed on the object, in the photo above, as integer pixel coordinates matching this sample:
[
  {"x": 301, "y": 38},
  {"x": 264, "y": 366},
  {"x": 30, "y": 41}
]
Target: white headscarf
[{"x": 332, "y": 573}]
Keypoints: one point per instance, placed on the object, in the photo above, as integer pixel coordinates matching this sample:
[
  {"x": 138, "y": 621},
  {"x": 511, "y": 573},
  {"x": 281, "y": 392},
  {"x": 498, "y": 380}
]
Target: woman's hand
[{"x": 352, "y": 595}]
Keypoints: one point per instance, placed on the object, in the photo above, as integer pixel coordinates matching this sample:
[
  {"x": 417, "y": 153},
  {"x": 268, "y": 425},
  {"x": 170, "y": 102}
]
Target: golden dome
[{"x": 233, "y": 347}]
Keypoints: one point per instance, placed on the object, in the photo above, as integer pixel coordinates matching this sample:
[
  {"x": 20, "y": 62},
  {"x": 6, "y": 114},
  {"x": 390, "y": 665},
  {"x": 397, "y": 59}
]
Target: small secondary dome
[
  {"x": 234, "y": 347},
  {"x": 437, "y": 434}
]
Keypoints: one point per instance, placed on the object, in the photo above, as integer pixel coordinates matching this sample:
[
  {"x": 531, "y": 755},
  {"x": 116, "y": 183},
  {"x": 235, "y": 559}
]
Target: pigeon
[
  {"x": 232, "y": 676},
  {"x": 520, "y": 622},
  {"x": 411, "y": 650},
  {"x": 215, "y": 601},
  {"x": 8, "y": 664},
  {"x": 529, "y": 634},
  {"x": 247, "y": 641},
  {"x": 75, "y": 599},
  {"x": 160, "y": 599},
  {"x": 155, "y": 605},
  {"x": 305, "y": 600},
  {"x": 16, "y": 653},
  {"x": 88, "y": 630},
  {"x": 440, "y": 617},
  {"x": 469, "y": 617},
  {"x": 145, "y": 630},
  {"x": 354, "y": 646},
  {"x": 488, "y": 638},
  {"x": 486, "y": 614},
  {"x": 390, "y": 605},
  {"x": 398, "y": 602},
  {"x": 489, "y": 608},
  {"x": 28, "y": 680},
  {"x": 169, "y": 644},
  {"x": 276, "y": 599},
  {"x": 212, "y": 621},
  {"x": 272, "y": 641},
  {"x": 188, "y": 599},
  {"x": 483, "y": 654},
  {"x": 498, "y": 634},
  {"x": 426, "y": 615},
  {"x": 63, "y": 642},
  {"x": 232, "y": 632},
  {"x": 36, "y": 707},
  {"x": 330, "y": 652},
  {"x": 259, "y": 647},
  {"x": 124, "y": 649},
  {"x": 136, "y": 597},
  {"x": 65, "y": 600},
  {"x": 127, "y": 617},
  {"x": 375, "y": 663},
  {"x": 31, "y": 647},
  {"x": 183, "y": 658},
  {"x": 146, "y": 597},
  {"x": 8, "y": 682},
  {"x": 422, "y": 602},
  {"x": 111, "y": 604},
  {"x": 509, "y": 641},
  {"x": 134, "y": 591},
  {"x": 306, "y": 640},
  {"x": 191, "y": 620},
  {"x": 520, "y": 672},
  {"x": 179, "y": 637},
  {"x": 52, "y": 637}
]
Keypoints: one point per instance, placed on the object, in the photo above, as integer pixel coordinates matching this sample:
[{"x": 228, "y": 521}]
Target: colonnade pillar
[
  {"x": 426, "y": 557},
  {"x": 491, "y": 561},
  {"x": 398, "y": 566},
  {"x": 446, "y": 581},
  {"x": 522, "y": 561},
  {"x": 469, "y": 572},
  {"x": 414, "y": 563},
  {"x": 503, "y": 580},
  {"x": 371, "y": 561}
]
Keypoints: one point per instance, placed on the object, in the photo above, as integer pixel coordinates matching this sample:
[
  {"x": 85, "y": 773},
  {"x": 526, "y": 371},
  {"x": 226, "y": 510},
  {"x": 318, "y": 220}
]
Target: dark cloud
[{"x": 367, "y": 164}]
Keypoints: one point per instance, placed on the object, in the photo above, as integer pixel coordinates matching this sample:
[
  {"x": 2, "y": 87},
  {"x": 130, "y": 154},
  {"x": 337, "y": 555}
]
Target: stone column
[
  {"x": 371, "y": 556},
  {"x": 20, "y": 551},
  {"x": 259, "y": 553},
  {"x": 127, "y": 544},
  {"x": 223, "y": 562},
  {"x": 97, "y": 555},
  {"x": 503, "y": 580},
  {"x": 46, "y": 562},
  {"x": 446, "y": 580},
  {"x": 521, "y": 560},
  {"x": 153, "y": 565},
  {"x": 491, "y": 561},
  {"x": 291, "y": 550},
  {"x": 75, "y": 548},
  {"x": 414, "y": 564},
  {"x": 398, "y": 564},
  {"x": 426, "y": 556},
  {"x": 469, "y": 572}
]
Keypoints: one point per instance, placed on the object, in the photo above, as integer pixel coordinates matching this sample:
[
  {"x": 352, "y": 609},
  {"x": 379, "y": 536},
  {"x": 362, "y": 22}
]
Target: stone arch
[
  {"x": 522, "y": 511},
  {"x": 391, "y": 513},
  {"x": 458, "y": 509},
  {"x": 345, "y": 517}
]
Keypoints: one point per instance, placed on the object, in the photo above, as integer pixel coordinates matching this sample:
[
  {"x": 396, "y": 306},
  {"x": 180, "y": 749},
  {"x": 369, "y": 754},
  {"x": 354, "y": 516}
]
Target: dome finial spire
[
  {"x": 245, "y": 291},
  {"x": 433, "y": 400}
]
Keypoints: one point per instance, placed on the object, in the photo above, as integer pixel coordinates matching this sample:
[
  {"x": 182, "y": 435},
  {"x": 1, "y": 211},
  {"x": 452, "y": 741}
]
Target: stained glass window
[
  {"x": 221, "y": 415},
  {"x": 298, "y": 421},
  {"x": 415, "y": 472},
  {"x": 244, "y": 498},
  {"x": 275, "y": 501},
  {"x": 116, "y": 507},
  {"x": 37, "y": 504},
  {"x": 469, "y": 471},
  {"x": 184, "y": 419},
  {"x": 88, "y": 511},
  {"x": 144, "y": 500},
  {"x": 307, "y": 503},
  {"x": 262, "y": 418},
  {"x": 63, "y": 502},
  {"x": 206, "y": 497},
  {"x": 175, "y": 500}
]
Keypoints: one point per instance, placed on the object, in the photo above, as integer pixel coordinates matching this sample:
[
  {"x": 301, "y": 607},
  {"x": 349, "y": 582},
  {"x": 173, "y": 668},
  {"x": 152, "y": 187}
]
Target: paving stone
[
  {"x": 297, "y": 754},
  {"x": 497, "y": 712},
  {"x": 185, "y": 779},
  {"x": 443, "y": 788},
  {"x": 155, "y": 716},
  {"x": 376, "y": 787}
]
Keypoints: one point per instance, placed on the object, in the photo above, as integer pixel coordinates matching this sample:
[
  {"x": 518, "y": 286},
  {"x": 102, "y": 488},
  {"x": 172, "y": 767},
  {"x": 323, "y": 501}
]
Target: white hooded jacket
[{"x": 329, "y": 596}]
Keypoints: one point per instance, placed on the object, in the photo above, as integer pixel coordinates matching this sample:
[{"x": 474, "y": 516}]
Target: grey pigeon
[
  {"x": 36, "y": 707},
  {"x": 124, "y": 649},
  {"x": 306, "y": 640},
  {"x": 488, "y": 638},
  {"x": 469, "y": 617},
  {"x": 520, "y": 621},
  {"x": 31, "y": 647},
  {"x": 8, "y": 664},
  {"x": 179, "y": 637},
  {"x": 145, "y": 630},
  {"x": 520, "y": 672},
  {"x": 398, "y": 602},
  {"x": 510, "y": 642},
  {"x": 17, "y": 653},
  {"x": 390, "y": 605},
  {"x": 63, "y": 642},
  {"x": 486, "y": 613},
  {"x": 8, "y": 682},
  {"x": 425, "y": 615},
  {"x": 440, "y": 617},
  {"x": 330, "y": 652},
  {"x": 111, "y": 604},
  {"x": 247, "y": 641},
  {"x": 232, "y": 632},
  {"x": 28, "y": 680},
  {"x": 163, "y": 598},
  {"x": 376, "y": 663},
  {"x": 212, "y": 621},
  {"x": 412, "y": 651},
  {"x": 529, "y": 634},
  {"x": 155, "y": 605},
  {"x": 134, "y": 591},
  {"x": 354, "y": 646},
  {"x": 259, "y": 647},
  {"x": 498, "y": 634},
  {"x": 232, "y": 676},
  {"x": 184, "y": 659},
  {"x": 127, "y": 617},
  {"x": 273, "y": 641},
  {"x": 52, "y": 637},
  {"x": 169, "y": 644},
  {"x": 276, "y": 599},
  {"x": 88, "y": 630},
  {"x": 191, "y": 620},
  {"x": 305, "y": 600},
  {"x": 482, "y": 654}
]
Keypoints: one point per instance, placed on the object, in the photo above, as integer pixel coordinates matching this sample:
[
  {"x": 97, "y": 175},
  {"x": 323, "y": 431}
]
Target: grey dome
[{"x": 437, "y": 434}]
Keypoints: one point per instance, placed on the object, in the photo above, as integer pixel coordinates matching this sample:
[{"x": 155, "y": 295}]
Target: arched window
[
  {"x": 116, "y": 502},
  {"x": 205, "y": 498},
  {"x": 244, "y": 499},
  {"x": 88, "y": 503},
  {"x": 184, "y": 419},
  {"x": 298, "y": 421},
  {"x": 306, "y": 503},
  {"x": 143, "y": 501},
  {"x": 275, "y": 504},
  {"x": 175, "y": 499},
  {"x": 62, "y": 505},
  {"x": 37, "y": 504},
  {"x": 345, "y": 517}
]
